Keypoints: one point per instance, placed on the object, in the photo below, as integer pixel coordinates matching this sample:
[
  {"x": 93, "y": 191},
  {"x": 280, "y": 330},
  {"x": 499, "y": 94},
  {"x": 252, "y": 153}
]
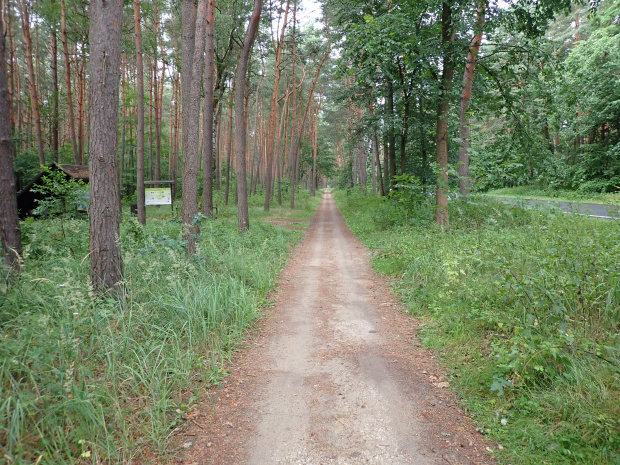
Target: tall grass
[
  {"x": 524, "y": 307},
  {"x": 87, "y": 381}
]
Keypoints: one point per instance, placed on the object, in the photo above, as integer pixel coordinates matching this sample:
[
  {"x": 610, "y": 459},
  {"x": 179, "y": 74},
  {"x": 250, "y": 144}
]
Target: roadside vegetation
[
  {"x": 609, "y": 198},
  {"x": 524, "y": 308},
  {"x": 106, "y": 381}
]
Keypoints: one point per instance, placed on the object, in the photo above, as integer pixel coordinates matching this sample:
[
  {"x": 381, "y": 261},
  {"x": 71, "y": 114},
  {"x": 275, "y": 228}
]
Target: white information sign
[{"x": 157, "y": 196}]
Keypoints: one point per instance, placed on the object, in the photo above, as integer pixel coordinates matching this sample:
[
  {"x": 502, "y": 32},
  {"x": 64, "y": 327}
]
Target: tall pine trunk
[
  {"x": 32, "y": 79},
  {"x": 448, "y": 36},
  {"x": 140, "y": 130},
  {"x": 10, "y": 234},
  {"x": 106, "y": 267},
  {"x": 191, "y": 131},
  {"x": 243, "y": 220},
  {"x": 65, "y": 47},
  {"x": 209, "y": 161},
  {"x": 271, "y": 127},
  {"x": 55, "y": 92}
]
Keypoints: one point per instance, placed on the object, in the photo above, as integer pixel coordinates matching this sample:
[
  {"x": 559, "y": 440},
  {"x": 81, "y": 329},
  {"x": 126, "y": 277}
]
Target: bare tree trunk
[
  {"x": 468, "y": 83},
  {"x": 32, "y": 79},
  {"x": 243, "y": 220},
  {"x": 391, "y": 137},
  {"x": 271, "y": 127},
  {"x": 294, "y": 127},
  {"x": 448, "y": 36},
  {"x": 191, "y": 126},
  {"x": 207, "y": 134},
  {"x": 151, "y": 73},
  {"x": 140, "y": 97},
  {"x": 63, "y": 26},
  {"x": 106, "y": 267},
  {"x": 55, "y": 92},
  {"x": 229, "y": 148},
  {"x": 10, "y": 234},
  {"x": 81, "y": 84},
  {"x": 316, "y": 147},
  {"x": 158, "y": 97}
]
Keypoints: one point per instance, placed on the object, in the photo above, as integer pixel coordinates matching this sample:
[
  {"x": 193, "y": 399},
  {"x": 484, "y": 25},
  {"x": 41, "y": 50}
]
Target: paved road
[
  {"x": 595, "y": 210},
  {"x": 336, "y": 376}
]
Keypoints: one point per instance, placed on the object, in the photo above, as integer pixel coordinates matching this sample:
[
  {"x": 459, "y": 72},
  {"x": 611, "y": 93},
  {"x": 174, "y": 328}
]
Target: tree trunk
[
  {"x": 404, "y": 135},
  {"x": 375, "y": 151},
  {"x": 448, "y": 35},
  {"x": 209, "y": 162},
  {"x": 10, "y": 234},
  {"x": 140, "y": 98},
  {"x": 271, "y": 127},
  {"x": 391, "y": 138},
  {"x": 81, "y": 84},
  {"x": 192, "y": 128},
  {"x": 106, "y": 267},
  {"x": 316, "y": 148},
  {"x": 55, "y": 92},
  {"x": 229, "y": 147},
  {"x": 468, "y": 83},
  {"x": 63, "y": 26},
  {"x": 243, "y": 219},
  {"x": 32, "y": 79},
  {"x": 294, "y": 127},
  {"x": 296, "y": 140}
]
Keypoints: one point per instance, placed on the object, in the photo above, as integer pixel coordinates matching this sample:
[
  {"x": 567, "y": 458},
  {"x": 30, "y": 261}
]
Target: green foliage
[
  {"x": 62, "y": 193},
  {"x": 524, "y": 307},
  {"x": 85, "y": 380}
]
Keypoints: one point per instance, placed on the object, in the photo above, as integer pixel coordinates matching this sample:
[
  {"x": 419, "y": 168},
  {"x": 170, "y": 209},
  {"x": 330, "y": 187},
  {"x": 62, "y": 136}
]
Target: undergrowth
[
  {"x": 91, "y": 381},
  {"x": 523, "y": 306}
]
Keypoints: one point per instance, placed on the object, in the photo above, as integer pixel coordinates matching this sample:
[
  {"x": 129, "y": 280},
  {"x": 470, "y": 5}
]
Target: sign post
[{"x": 159, "y": 195}]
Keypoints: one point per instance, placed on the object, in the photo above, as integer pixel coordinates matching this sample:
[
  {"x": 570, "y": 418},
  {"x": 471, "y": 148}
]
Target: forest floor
[{"x": 333, "y": 374}]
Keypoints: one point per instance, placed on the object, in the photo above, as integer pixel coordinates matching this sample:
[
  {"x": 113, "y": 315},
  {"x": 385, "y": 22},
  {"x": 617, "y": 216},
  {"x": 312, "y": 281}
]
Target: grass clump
[
  {"x": 524, "y": 307},
  {"x": 91, "y": 381}
]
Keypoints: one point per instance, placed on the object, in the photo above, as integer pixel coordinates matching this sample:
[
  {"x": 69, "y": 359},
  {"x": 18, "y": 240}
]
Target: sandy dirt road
[{"x": 334, "y": 375}]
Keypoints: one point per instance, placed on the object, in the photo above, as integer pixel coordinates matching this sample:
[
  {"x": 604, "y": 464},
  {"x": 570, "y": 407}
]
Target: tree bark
[
  {"x": 271, "y": 127},
  {"x": 10, "y": 234},
  {"x": 55, "y": 92},
  {"x": 191, "y": 131},
  {"x": 243, "y": 219},
  {"x": 391, "y": 137},
  {"x": 63, "y": 26},
  {"x": 316, "y": 148},
  {"x": 209, "y": 162},
  {"x": 468, "y": 83},
  {"x": 294, "y": 127},
  {"x": 106, "y": 267},
  {"x": 140, "y": 97},
  {"x": 32, "y": 79},
  {"x": 448, "y": 36}
]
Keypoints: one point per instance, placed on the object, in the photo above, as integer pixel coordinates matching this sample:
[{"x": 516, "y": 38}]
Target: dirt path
[{"x": 335, "y": 375}]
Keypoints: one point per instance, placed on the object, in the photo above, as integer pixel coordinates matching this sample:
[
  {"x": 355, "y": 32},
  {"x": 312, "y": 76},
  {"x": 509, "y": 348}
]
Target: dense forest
[{"x": 260, "y": 104}]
